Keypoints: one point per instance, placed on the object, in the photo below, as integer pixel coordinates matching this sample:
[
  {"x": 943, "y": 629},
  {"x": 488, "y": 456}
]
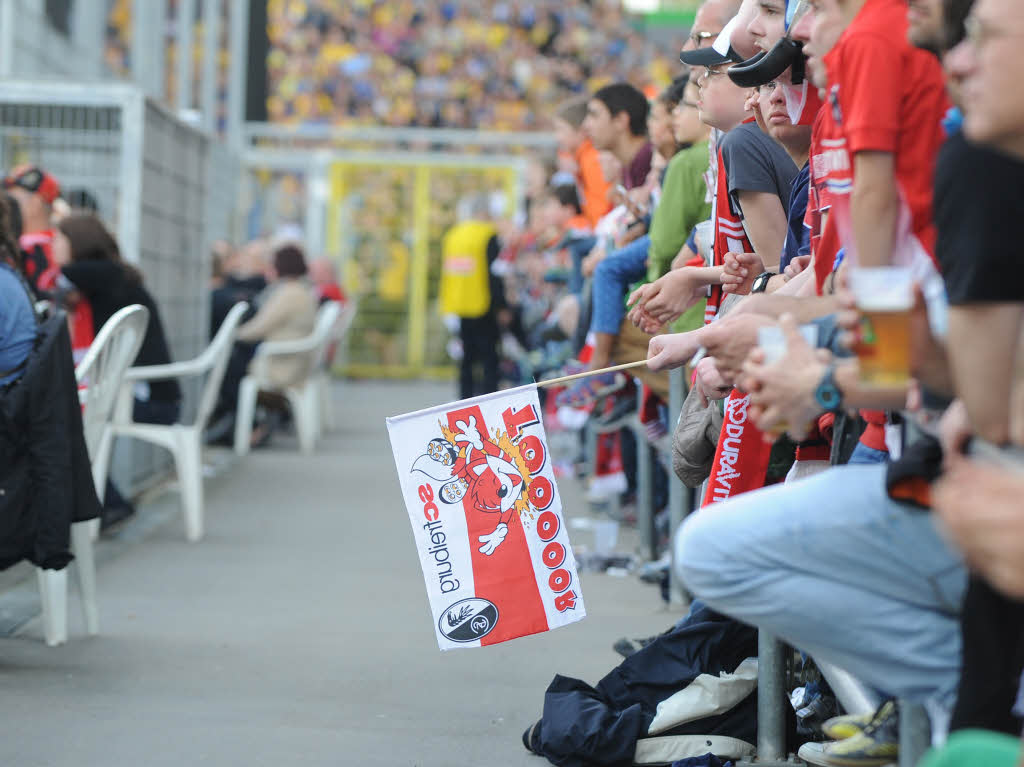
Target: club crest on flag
[{"x": 480, "y": 492}]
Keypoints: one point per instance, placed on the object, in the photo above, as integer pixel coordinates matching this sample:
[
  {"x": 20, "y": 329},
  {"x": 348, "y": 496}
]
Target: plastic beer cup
[
  {"x": 884, "y": 297},
  {"x": 772, "y": 341}
]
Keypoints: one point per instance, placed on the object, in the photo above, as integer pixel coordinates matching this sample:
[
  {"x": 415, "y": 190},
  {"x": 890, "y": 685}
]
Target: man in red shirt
[
  {"x": 884, "y": 103},
  {"x": 35, "y": 191}
]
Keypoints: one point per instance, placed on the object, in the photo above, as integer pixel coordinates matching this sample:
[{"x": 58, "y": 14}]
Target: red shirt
[
  {"x": 885, "y": 95},
  {"x": 39, "y": 266},
  {"x": 730, "y": 236}
]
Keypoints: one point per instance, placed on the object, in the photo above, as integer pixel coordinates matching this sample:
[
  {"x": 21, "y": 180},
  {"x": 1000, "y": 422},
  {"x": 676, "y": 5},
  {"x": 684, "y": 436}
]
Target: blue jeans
[
  {"x": 578, "y": 250},
  {"x": 612, "y": 279},
  {"x": 833, "y": 566},
  {"x": 863, "y": 454}
]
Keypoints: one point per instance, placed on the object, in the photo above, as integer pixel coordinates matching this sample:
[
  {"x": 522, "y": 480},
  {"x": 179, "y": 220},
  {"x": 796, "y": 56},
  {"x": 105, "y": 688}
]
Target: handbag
[{"x": 695, "y": 439}]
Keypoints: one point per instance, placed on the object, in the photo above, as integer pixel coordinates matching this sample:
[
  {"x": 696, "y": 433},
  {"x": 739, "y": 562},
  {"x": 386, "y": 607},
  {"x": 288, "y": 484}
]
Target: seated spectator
[
  {"x": 89, "y": 258},
  {"x": 91, "y": 266},
  {"x": 324, "y": 275},
  {"x": 288, "y": 312}
]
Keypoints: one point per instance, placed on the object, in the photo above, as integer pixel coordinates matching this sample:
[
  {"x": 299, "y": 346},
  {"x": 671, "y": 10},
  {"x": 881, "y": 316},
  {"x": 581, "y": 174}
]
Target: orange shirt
[{"x": 592, "y": 184}]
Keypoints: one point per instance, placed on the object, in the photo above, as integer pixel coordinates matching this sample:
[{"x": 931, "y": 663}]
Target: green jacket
[{"x": 683, "y": 205}]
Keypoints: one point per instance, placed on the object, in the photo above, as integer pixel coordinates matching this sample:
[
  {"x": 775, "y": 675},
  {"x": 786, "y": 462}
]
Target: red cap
[{"x": 34, "y": 179}]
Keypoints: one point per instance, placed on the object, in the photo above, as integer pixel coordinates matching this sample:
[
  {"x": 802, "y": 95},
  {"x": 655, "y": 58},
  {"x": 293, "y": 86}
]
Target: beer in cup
[
  {"x": 884, "y": 297},
  {"x": 772, "y": 341}
]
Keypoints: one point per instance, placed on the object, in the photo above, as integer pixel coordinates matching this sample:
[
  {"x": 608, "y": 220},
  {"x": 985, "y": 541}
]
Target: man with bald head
[{"x": 708, "y": 22}]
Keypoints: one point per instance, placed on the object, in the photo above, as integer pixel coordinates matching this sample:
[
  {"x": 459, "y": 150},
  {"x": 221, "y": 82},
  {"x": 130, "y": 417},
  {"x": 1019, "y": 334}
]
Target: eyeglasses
[
  {"x": 700, "y": 39},
  {"x": 709, "y": 72},
  {"x": 767, "y": 89}
]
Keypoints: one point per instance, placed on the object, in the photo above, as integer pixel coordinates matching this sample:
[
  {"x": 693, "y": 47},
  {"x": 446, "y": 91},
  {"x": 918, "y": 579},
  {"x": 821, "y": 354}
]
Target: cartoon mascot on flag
[{"x": 489, "y": 472}]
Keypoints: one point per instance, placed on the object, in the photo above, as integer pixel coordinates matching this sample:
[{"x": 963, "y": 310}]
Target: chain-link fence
[{"x": 165, "y": 189}]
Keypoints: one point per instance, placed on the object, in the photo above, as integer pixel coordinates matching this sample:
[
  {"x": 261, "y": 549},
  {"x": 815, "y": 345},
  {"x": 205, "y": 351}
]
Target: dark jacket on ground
[{"x": 45, "y": 475}]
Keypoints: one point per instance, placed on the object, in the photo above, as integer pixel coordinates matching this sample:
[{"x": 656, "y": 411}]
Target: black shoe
[
  {"x": 626, "y": 646},
  {"x": 113, "y": 516}
]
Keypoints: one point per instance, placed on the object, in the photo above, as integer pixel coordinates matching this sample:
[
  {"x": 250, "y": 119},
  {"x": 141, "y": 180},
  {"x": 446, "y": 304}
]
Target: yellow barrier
[{"x": 385, "y": 220}]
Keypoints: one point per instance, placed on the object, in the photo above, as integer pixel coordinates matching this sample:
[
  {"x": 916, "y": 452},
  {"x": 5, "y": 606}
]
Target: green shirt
[{"x": 683, "y": 205}]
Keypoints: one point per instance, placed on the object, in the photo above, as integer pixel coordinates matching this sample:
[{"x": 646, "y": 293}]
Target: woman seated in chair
[
  {"x": 90, "y": 260},
  {"x": 91, "y": 266},
  {"x": 287, "y": 313}
]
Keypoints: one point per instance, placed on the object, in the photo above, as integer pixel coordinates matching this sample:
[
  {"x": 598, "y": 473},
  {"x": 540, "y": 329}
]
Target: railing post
[
  {"x": 915, "y": 733},
  {"x": 771, "y": 696},
  {"x": 644, "y": 487},
  {"x": 679, "y": 496}
]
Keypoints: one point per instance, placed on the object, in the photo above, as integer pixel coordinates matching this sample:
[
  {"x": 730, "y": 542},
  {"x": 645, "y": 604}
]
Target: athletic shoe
[
  {"x": 878, "y": 744},
  {"x": 846, "y": 726},
  {"x": 813, "y": 753}
]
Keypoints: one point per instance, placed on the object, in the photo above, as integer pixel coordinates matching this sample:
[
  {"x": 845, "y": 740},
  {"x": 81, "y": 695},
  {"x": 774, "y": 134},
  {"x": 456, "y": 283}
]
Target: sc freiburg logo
[{"x": 468, "y": 620}]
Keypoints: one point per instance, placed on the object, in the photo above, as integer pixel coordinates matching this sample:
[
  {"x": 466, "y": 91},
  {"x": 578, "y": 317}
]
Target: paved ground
[{"x": 296, "y": 633}]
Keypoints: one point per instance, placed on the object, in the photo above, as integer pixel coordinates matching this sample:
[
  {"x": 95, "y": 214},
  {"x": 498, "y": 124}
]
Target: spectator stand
[
  {"x": 166, "y": 189},
  {"x": 377, "y": 202}
]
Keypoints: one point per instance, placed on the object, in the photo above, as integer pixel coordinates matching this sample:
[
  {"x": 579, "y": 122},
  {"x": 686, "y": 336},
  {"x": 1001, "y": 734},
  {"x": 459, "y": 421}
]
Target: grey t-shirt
[{"x": 754, "y": 162}]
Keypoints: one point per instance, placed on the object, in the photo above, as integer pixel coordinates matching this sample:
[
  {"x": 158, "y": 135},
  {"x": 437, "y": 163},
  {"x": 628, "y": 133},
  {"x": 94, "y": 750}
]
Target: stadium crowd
[{"x": 492, "y": 65}]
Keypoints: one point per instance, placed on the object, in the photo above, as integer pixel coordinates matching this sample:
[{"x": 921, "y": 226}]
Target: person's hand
[
  {"x": 954, "y": 431},
  {"x": 591, "y": 260},
  {"x": 730, "y": 339},
  {"x": 741, "y": 269},
  {"x": 709, "y": 382},
  {"x": 665, "y": 299},
  {"x": 671, "y": 350},
  {"x": 782, "y": 394},
  {"x": 794, "y": 267},
  {"x": 979, "y": 506}
]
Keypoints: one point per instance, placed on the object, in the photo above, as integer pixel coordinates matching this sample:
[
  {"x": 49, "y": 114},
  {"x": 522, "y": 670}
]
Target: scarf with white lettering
[{"x": 741, "y": 458}]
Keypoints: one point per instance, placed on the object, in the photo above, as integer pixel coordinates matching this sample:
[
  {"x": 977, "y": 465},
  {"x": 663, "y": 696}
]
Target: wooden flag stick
[{"x": 587, "y": 373}]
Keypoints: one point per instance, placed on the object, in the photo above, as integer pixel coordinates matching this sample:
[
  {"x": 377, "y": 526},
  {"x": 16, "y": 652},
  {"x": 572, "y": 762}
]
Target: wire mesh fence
[{"x": 164, "y": 188}]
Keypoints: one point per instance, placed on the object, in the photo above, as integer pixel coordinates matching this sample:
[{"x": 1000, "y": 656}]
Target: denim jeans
[
  {"x": 833, "y": 566},
  {"x": 612, "y": 279},
  {"x": 578, "y": 250}
]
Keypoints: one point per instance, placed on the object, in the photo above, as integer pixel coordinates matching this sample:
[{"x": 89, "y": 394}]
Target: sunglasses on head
[{"x": 29, "y": 180}]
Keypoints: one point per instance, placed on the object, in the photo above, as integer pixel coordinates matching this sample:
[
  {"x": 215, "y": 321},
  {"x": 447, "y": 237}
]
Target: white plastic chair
[
  {"x": 304, "y": 397},
  {"x": 100, "y": 372},
  {"x": 185, "y": 441},
  {"x": 321, "y": 369}
]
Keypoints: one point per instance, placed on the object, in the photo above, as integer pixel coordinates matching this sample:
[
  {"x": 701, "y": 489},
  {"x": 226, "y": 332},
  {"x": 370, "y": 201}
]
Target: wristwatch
[
  {"x": 827, "y": 395},
  {"x": 760, "y": 284}
]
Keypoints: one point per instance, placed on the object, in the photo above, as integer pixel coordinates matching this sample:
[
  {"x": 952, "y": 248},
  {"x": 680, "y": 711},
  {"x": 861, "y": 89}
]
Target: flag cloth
[{"x": 479, "y": 486}]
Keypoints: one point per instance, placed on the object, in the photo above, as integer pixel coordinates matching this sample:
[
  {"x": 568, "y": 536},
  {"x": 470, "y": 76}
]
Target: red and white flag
[{"x": 480, "y": 490}]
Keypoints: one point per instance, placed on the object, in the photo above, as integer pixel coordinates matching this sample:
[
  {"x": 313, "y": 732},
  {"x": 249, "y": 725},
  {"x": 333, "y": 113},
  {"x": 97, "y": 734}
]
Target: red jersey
[
  {"x": 730, "y": 236},
  {"x": 39, "y": 266},
  {"x": 885, "y": 95}
]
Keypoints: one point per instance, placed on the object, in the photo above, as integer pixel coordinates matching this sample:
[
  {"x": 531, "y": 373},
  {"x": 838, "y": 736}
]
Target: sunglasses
[
  {"x": 29, "y": 180},
  {"x": 700, "y": 39}
]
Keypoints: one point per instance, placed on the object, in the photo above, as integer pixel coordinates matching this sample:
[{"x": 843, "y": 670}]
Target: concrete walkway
[{"x": 297, "y": 633}]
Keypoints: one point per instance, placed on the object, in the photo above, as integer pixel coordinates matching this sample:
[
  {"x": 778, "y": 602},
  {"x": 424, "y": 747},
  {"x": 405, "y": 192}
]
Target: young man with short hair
[{"x": 616, "y": 121}]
